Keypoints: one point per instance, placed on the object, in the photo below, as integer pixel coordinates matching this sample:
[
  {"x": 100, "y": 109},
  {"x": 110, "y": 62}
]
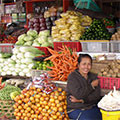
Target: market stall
[{"x": 39, "y": 52}]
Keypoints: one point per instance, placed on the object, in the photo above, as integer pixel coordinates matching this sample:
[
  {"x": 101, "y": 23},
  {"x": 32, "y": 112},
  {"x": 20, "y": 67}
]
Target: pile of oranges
[{"x": 34, "y": 104}]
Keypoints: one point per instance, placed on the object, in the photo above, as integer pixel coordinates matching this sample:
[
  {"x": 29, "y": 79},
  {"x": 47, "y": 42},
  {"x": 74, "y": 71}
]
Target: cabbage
[
  {"x": 36, "y": 44},
  {"x": 42, "y": 39},
  {"x": 29, "y": 55},
  {"x": 9, "y": 73},
  {"x": 15, "y": 50},
  {"x": 2, "y": 60},
  {"x": 44, "y": 33},
  {"x": 45, "y": 44},
  {"x": 21, "y": 74},
  {"x": 28, "y": 75},
  {"x": 20, "y": 42},
  {"x": 21, "y": 37},
  {"x": 28, "y": 38},
  {"x": 32, "y": 33},
  {"x": 28, "y": 43},
  {"x": 22, "y": 66},
  {"x": 30, "y": 49},
  {"x": 14, "y": 73},
  {"x": 28, "y": 60},
  {"x": 3, "y": 73},
  {"x": 26, "y": 70},
  {"x": 30, "y": 65},
  {"x": 50, "y": 40}
]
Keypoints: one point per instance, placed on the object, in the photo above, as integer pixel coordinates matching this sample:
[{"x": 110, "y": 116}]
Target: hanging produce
[{"x": 64, "y": 62}]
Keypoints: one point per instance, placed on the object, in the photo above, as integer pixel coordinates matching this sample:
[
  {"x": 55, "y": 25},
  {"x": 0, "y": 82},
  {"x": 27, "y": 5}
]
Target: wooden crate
[{"x": 6, "y": 108}]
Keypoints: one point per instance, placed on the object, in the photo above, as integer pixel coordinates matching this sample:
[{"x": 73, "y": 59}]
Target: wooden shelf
[{"x": 9, "y": 3}]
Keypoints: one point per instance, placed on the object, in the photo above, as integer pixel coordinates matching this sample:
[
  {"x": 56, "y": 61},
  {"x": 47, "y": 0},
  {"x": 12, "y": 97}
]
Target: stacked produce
[
  {"x": 108, "y": 23},
  {"x": 6, "y": 92},
  {"x": 70, "y": 27},
  {"x": 45, "y": 20},
  {"x": 42, "y": 65},
  {"x": 20, "y": 63},
  {"x": 10, "y": 39},
  {"x": 41, "y": 101},
  {"x": 112, "y": 70},
  {"x": 96, "y": 31},
  {"x": 116, "y": 36},
  {"x": 64, "y": 63},
  {"x": 32, "y": 38}
]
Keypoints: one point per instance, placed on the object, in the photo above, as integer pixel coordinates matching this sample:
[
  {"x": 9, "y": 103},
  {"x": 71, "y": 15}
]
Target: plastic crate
[
  {"x": 72, "y": 45},
  {"x": 114, "y": 46},
  {"x": 94, "y": 46},
  {"x": 6, "y": 48},
  {"x": 109, "y": 83},
  {"x": 110, "y": 115},
  {"x": 44, "y": 49}
]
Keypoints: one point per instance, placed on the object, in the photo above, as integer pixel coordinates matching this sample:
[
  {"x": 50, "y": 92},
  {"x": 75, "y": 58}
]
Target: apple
[
  {"x": 53, "y": 18},
  {"x": 47, "y": 19}
]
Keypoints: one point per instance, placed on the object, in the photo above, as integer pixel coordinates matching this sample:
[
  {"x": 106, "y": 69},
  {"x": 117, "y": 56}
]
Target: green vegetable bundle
[{"x": 5, "y": 92}]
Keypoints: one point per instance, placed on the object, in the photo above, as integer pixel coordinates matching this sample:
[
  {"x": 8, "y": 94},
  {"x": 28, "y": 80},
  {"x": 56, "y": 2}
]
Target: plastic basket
[
  {"x": 72, "y": 45},
  {"x": 6, "y": 48},
  {"x": 109, "y": 83},
  {"x": 87, "y": 4},
  {"x": 110, "y": 115},
  {"x": 6, "y": 108},
  {"x": 114, "y": 46},
  {"x": 95, "y": 45}
]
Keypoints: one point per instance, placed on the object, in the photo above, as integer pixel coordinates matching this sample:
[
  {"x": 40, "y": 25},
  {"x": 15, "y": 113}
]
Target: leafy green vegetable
[{"x": 5, "y": 92}]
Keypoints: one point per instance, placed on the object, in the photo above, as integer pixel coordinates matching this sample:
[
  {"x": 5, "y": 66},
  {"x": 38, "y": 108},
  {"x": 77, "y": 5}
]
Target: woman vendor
[{"x": 83, "y": 91}]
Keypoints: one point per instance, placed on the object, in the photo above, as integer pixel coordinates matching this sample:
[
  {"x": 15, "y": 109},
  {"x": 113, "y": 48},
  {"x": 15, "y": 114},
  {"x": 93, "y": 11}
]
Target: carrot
[{"x": 64, "y": 63}]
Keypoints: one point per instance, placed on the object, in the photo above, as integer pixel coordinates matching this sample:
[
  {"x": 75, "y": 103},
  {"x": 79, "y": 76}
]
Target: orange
[
  {"x": 60, "y": 109},
  {"x": 59, "y": 89},
  {"x": 28, "y": 115}
]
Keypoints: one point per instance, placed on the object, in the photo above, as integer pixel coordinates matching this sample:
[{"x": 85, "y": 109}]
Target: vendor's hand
[
  {"x": 95, "y": 83},
  {"x": 73, "y": 99}
]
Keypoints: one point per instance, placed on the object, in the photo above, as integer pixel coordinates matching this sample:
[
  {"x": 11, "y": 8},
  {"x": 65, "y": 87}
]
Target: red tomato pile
[{"x": 10, "y": 39}]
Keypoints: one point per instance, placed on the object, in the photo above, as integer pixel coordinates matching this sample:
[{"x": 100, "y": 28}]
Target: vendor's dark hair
[{"x": 84, "y": 56}]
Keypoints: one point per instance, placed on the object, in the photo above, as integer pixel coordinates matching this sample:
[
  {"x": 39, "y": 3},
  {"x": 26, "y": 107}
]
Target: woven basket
[{"x": 6, "y": 108}]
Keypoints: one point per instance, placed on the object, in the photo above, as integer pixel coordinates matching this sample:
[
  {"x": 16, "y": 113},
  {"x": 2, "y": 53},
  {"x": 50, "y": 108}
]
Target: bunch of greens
[{"x": 5, "y": 92}]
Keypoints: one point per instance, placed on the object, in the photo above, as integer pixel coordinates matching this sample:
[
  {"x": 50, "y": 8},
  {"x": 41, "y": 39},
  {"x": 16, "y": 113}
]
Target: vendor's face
[{"x": 85, "y": 65}]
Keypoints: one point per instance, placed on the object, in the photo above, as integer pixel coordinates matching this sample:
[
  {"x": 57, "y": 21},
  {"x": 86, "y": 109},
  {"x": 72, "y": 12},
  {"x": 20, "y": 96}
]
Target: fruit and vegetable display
[
  {"x": 70, "y": 27},
  {"x": 111, "y": 70},
  {"x": 111, "y": 101},
  {"x": 20, "y": 63},
  {"x": 42, "y": 65},
  {"x": 116, "y": 36},
  {"x": 108, "y": 22},
  {"x": 10, "y": 39},
  {"x": 6, "y": 93},
  {"x": 45, "y": 20},
  {"x": 41, "y": 100},
  {"x": 64, "y": 62},
  {"x": 32, "y": 38},
  {"x": 96, "y": 31}
]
